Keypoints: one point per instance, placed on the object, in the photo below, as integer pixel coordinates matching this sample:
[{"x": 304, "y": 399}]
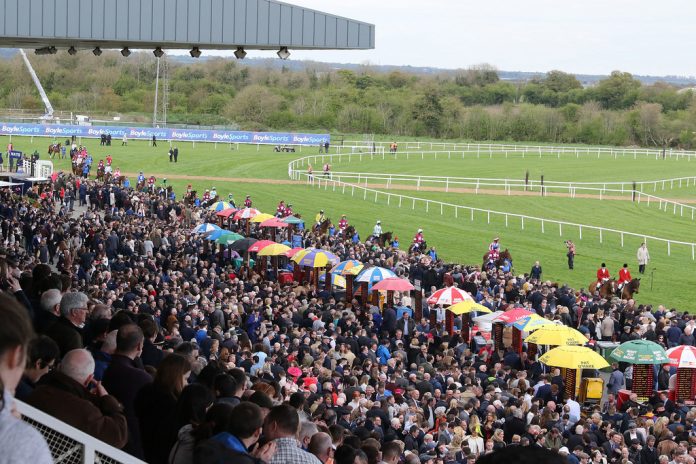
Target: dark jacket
[
  {"x": 151, "y": 355},
  {"x": 212, "y": 451},
  {"x": 155, "y": 410},
  {"x": 65, "y": 399},
  {"x": 67, "y": 335},
  {"x": 124, "y": 378}
]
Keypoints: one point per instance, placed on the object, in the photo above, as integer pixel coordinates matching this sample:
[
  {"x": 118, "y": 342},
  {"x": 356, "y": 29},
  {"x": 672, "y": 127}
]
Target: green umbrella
[
  {"x": 292, "y": 220},
  {"x": 640, "y": 352},
  {"x": 228, "y": 238}
]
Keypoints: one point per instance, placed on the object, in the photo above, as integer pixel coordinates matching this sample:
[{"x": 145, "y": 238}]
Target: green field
[{"x": 457, "y": 239}]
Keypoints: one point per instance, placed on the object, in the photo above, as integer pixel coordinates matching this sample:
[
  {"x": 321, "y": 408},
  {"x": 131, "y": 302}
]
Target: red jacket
[
  {"x": 624, "y": 275},
  {"x": 603, "y": 273}
]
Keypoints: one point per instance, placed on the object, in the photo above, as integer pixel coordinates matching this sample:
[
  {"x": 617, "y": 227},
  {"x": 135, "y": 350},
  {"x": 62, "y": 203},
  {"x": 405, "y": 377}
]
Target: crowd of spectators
[{"x": 150, "y": 340}]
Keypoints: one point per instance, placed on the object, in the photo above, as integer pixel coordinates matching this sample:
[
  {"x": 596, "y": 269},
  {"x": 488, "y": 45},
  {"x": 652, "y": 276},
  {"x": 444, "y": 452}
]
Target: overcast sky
[{"x": 587, "y": 36}]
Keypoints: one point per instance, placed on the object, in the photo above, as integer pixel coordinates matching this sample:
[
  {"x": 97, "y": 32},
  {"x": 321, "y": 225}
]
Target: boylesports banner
[{"x": 146, "y": 133}]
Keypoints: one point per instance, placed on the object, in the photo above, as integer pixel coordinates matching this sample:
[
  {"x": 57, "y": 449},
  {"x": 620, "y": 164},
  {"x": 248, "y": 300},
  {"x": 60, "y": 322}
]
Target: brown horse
[
  {"x": 502, "y": 256},
  {"x": 606, "y": 289},
  {"x": 385, "y": 239},
  {"x": 323, "y": 228},
  {"x": 418, "y": 249},
  {"x": 54, "y": 149},
  {"x": 100, "y": 173},
  {"x": 629, "y": 289}
]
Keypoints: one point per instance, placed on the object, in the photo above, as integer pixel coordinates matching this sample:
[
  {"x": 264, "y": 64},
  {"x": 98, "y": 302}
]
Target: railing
[
  {"x": 400, "y": 201},
  {"x": 487, "y": 148},
  {"x": 69, "y": 445},
  {"x": 478, "y": 185}
]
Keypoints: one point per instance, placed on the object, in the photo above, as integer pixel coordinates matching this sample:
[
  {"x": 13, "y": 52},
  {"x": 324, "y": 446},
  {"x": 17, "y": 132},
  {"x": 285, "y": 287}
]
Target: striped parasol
[
  {"x": 512, "y": 315},
  {"x": 205, "y": 228},
  {"x": 336, "y": 280},
  {"x": 682, "y": 356},
  {"x": 374, "y": 274},
  {"x": 293, "y": 251},
  {"x": 531, "y": 323},
  {"x": 315, "y": 258},
  {"x": 448, "y": 296},
  {"x": 220, "y": 206},
  {"x": 348, "y": 267},
  {"x": 246, "y": 213}
]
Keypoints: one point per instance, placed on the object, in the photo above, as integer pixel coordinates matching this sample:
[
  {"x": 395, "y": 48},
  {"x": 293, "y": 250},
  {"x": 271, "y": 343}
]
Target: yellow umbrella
[
  {"x": 574, "y": 357},
  {"x": 557, "y": 335},
  {"x": 261, "y": 217},
  {"x": 277, "y": 249},
  {"x": 468, "y": 306}
]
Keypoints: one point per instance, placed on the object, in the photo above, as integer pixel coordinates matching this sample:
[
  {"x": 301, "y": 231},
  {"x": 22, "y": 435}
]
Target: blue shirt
[{"x": 231, "y": 442}]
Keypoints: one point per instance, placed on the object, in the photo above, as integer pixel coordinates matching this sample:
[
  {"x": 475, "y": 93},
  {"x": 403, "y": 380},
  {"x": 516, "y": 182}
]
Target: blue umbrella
[
  {"x": 374, "y": 274},
  {"x": 204, "y": 228}
]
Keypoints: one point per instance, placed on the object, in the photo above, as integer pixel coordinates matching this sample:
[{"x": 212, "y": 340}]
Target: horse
[
  {"x": 323, "y": 227},
  {"x": 348, "y": 233},
  {"x": 54, "y": 149},
  {"x": 502, "y": 256},
  {"x": 606, "y": 289},
  {"x": 100, "y": 173},
  {"x": 629, "y": 289},
  {"x": 418, "y": 248},
  {"x": 384, "y": 239}
]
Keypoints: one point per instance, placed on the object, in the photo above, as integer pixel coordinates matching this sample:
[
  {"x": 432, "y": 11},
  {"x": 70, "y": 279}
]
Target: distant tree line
[{"x": 467, "y": 104}]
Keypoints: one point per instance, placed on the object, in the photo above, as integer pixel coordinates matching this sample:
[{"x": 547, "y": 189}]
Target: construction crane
[{"x": 39, "y": 87}]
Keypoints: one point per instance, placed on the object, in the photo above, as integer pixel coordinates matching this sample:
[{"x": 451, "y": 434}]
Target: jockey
[
  {"x": 319, "y": 218},
  {"x": 108, "y": 160},
  {"x": 247, "y": 202},
  {"x": 117, "y": 173},
  {"x": 206, "y": 195},
  {"x": 377, "y": 230},
  {"x": 624, "y": 276},
  {"x": 101, "y": 164},
  {"x": 151, "y": 182},
  {"x": 141, "y": 177},
  {"x": 494, "y": 250},
  {"x": 107, "y": 169},
  {"x": 418, "y": 239},
  {"x": 280, "y": 210},
  {"x": 603, "y": 274},
  {"x": 230, "y": 200},
  {"x": 343, "y": 223},
  {"x": 189, "y": 189},
  {"x": 288, "y": 210}
]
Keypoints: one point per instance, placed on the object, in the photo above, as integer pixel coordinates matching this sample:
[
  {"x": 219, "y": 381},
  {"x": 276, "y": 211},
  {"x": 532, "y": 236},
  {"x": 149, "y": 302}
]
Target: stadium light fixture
[
  {"x": 97, "y": 51},
  {"x": 46, "y": 50},
  {"x": 283, "y": 53},
  {"x": 125, "y": 52},
  {"x": 195, "y": 52},
  {"x": 158, "y": 52},
  {"x": 72, "y": 51},
  {"x": 240, "y": 54}
]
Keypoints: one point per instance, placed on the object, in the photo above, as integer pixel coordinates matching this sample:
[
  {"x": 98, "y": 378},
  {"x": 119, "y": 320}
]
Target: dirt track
[{"x": 499, "y": 192}]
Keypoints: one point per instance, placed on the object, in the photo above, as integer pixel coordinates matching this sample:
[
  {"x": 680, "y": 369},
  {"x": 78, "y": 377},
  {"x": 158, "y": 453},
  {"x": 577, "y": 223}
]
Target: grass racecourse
[{"x": 263, "y": 174}]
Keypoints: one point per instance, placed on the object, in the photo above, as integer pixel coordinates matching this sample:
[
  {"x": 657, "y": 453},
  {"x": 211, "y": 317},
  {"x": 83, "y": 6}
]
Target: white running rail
[
  {"x": 400, "y": 201},
  {"x": 69, "y": 445}
]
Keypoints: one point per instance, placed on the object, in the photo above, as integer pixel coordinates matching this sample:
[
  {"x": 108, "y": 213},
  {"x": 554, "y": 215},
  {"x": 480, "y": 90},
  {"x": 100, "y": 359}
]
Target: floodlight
[
  {"x": 158, "y": 52},
  {"x": 97, "y": 51},
  {"x": 283, "y": 53},
  {"x": 125, "y": 52},
  {"x": 195, "y": 52},
  {"x": 240, "y": 53},
  {"x": 72, "y": 51}
]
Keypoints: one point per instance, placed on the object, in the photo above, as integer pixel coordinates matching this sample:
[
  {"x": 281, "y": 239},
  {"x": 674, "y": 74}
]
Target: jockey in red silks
[
  {"x": 247, "y": 202},
  {"x": 343, "y": 223},
  {"x": 280, "y": 210},
  {"x": 494, "y": 250},
  {"x": 418, "y": 239}
]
